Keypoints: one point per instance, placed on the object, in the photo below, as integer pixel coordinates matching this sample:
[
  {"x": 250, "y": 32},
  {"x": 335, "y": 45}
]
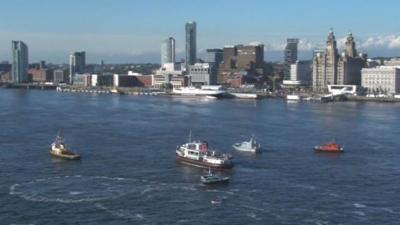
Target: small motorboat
[
  {"x": 211, "y": 97},
  {"x": 329, "y": 147},
  {"x": 248, "y": 146},
  {"x": 60, "y": 149},
  {"x": 116, "y": 91},
  {"x": 216, "y": 202},
  {"x": 212, "y": 178},
  {"x": 293, "y": 97}
]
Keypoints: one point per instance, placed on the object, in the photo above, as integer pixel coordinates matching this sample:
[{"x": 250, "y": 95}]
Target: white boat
[
  {"x": 248, "y": 146},
  {"x": 293, "y": 98},
  {"x": 210, "y": 97},
  {"x": 197, "y": 153},
  {"x": 245, "y": 95},
  {"x": 216, "y": 202},
  {"x": 60, "y": 149},
  {"x": 193, "y": 91},
  {"x": 115, "y": 91}
]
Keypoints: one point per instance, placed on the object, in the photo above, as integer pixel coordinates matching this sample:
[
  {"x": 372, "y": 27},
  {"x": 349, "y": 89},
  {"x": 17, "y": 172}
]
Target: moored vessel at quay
[{"x": 205, "y": 90}]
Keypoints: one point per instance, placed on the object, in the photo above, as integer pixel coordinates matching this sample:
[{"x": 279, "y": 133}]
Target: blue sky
[{"x": 131, "y": 30}]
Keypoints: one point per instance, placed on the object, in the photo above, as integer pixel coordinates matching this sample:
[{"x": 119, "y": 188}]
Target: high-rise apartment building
[
  {"x": 19, "y": 62},
  {"x": 77, "y": 63},
  {"x": 168, "y": 51},
  {"x": 290, "y": 55},
  {"x": 191, "y": 49}
]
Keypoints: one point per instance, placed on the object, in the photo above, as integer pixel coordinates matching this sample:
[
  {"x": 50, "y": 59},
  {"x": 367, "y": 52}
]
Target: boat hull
[
  {"x": 318, "y": 149},
  {"x": 256, "y": 150},
  {"x": 222, "y": 181},
  {"x": 72, "y": 156},
  {"x": 197, "y": 163}
]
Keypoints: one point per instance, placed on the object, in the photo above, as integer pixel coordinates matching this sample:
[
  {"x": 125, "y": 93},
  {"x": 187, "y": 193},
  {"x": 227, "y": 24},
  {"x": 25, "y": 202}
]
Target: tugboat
[
  {"x": 197, "y": 153},
  {"x": 59, "y": 148},
  {"x": 212, "y": 178},
  {"x": 248, "y": 146},
  {"x": 329, "y": 147}
]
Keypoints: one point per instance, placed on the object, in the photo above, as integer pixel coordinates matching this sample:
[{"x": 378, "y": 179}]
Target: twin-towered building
[{"x": 330, "y": 68}]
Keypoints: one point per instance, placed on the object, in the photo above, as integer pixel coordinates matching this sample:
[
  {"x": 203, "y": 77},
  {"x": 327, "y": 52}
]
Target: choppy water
[{"x": 128, "y": 173}]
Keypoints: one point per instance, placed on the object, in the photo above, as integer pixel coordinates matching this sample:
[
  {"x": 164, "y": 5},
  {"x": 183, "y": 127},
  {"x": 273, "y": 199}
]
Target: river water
[{"x": 128, "y": 173}]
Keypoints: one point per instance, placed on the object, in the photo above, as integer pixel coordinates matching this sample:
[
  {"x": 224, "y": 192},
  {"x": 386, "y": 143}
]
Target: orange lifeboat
[{"x": 329, "y": 147}]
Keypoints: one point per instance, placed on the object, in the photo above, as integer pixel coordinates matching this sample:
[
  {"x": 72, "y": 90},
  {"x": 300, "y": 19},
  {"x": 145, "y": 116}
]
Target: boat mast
[
  {"x": 60, "y": 137},
  {"x": 190, "y": 136}
]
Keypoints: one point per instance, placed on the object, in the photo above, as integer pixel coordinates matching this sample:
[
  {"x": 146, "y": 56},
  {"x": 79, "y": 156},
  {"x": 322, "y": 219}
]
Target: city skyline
[{"x": 134, "y": 33}]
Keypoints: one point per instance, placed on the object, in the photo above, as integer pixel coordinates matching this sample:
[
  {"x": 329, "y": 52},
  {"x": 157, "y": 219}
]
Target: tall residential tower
[
  {"x": 77, "y": 63},
  {"x": 19, "y": 62},
  {"x": 191, "y": 55},
  {"x": 290, "y": 55},
  {"x": 168, "y": 51}
]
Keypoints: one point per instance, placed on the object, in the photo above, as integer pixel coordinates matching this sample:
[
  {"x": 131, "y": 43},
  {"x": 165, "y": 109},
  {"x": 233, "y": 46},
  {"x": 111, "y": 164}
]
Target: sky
[{"x": 130, "y": 31}]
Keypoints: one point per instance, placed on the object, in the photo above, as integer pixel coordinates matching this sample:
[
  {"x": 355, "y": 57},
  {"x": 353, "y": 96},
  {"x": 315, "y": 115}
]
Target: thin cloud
[
  {"x": 382, "y": 42},
  {"x": 389, "y": 42}
]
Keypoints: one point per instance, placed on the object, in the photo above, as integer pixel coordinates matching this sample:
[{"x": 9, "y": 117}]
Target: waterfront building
[
  {"x": 19, "y": 62},
  {"x": 121, "y": 80},
  {"x": 241, "y": 64},
  {"x": 83, "y": 80},
  {"x": 125, "y": 80},
  {"x": 169, "y": 67},
  {"x": 229, "y": 57},
  {"x": 215, "y": 56},
  {"x": 160, "y": 81},
  {"x": 191, "y": 48},
  {"x": 202, "y": 74},
  {"x": 381, "y": 80},
  {"x": 167, "y": 71},
  {"x": 77, "y": 64},
  {"x": 40, "y": 75},
  {"x": 300, "y": 74},
  {"x": 392, "y": 62},
  {"x": 5, "y": 67},
  {"x": 42, "y": 64},
  {"x": 250, "y": 57},
  {"x": 59, "y": 76},
  {"x": 103, "y": 80},
  {"x": 371, "y": 63},
  {"x": 5, "y": 76},
  {"x": 290, "y": 55},
  {"x": 168, "y": 51},
  {"x": 330, "y": 68}
]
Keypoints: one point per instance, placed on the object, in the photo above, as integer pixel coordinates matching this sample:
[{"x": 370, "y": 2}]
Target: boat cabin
[{"x": 195, "y": 150}]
